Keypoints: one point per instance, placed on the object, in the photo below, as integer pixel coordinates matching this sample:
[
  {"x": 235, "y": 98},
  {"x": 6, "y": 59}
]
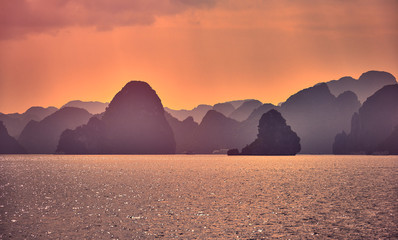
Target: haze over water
[{"x": 198, "y": 196}]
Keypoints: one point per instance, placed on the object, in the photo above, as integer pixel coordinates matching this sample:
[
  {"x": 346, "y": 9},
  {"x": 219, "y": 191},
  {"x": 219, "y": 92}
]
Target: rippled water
[{"x": 205, "y": 196}]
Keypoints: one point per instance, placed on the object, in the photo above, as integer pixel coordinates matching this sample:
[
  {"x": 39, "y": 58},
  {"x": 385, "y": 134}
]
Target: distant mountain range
[
  {"x": 43, "y": 136},
  {"x": 328, "y": 118},
  {"x": 91, "y": 107},
  {"x": 366, "y": 85},
  {"x": 238, "y": 110},
  {"x": 15, "y": 122}
]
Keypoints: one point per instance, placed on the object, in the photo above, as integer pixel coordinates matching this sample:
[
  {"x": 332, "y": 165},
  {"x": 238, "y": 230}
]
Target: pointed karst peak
[
  {"x": 319, "y": 91},
  {"x": 213, "y": 117},
  {"x": 135, "y": 96},
  {"x": 348, "y": 95},
  {"x": 133, "y": 123},
  {"x": 136, "y": 85},
  {"x": 316, "y": 97},
  {"x": 213, "y": 114}
]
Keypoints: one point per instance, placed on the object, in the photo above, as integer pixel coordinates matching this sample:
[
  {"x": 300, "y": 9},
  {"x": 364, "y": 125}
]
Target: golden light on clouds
[{"x": 190, "y": 52}]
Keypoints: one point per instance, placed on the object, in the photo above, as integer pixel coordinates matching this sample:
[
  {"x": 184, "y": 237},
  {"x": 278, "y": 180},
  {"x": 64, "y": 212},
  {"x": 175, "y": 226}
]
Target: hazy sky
[{"x": 189, "y": 51}]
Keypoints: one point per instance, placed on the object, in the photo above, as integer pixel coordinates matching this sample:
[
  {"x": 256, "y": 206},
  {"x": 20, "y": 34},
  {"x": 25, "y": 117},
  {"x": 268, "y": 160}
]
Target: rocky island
[{"x": 274, "y": 137}]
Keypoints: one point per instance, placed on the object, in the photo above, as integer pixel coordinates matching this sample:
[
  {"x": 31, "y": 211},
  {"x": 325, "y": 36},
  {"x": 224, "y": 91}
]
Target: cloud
[{"x": 19, "y": 18}]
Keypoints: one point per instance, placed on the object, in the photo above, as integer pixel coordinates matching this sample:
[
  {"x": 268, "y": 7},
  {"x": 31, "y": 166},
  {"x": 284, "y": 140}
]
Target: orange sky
[{"x": 190, "y": 52}]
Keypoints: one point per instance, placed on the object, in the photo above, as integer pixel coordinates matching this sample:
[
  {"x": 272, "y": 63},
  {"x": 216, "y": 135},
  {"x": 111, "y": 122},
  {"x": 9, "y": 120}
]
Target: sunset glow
[{"x": 190, "y": 52}]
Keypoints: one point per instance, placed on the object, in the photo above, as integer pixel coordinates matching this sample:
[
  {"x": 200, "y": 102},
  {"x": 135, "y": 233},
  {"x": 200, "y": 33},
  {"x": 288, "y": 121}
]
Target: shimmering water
[{"x": 205, "y": 196}]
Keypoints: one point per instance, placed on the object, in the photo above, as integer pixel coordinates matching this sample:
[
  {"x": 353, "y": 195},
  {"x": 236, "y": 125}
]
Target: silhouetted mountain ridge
[
  {"x": 43, "y": 136},
  {"x": 238, "y": 110},
  {"x": 367, "y": 84},
  {"x": 215, "y": 132},
  {"x": 373, "y": 128},
  {"x": 243, "y": 111},
  {"x": 92, "y": 107},
  {"x": 15, "y": 122},
  {"x": 136, "y": 122},
  {"x": 317, "y": 116},
  {"x": 133, "y": 123}
]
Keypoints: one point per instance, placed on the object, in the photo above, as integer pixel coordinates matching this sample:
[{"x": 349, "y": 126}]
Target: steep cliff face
[
  {"x": 134, "y": 123},
  {"x": 8, "y": 144},
  {"x": 373, "y": 125},
  {"x": 274, "y": 137},
  {"x": 346, "y": 104},
  {"x": 43, "y": 136},
  {"x": 183, "y": 132},
  {"x": 317, "y": 116}
]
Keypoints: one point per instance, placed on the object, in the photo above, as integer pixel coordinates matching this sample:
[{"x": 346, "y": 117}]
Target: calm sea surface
[{"x": 198, "y": 197}]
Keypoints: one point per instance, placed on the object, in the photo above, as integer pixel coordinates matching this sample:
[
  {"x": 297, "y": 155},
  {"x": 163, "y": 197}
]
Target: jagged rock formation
[
  {"x": 317, "y": 116},
  {"x": 314, "y": 114},
  {"x": 183, "y": 132},
  {"x": 133, "y": 123},
  {"x": 84, "y": 138},
  {"x": 346, "y": 104},
  {"x": 367, "y": 84},
  {"x": 226, "y": 108},
  {"x": 244, "y": 111},
  {"x": 16, "y": 122},
  {"x": 43, "y": 136},
  {"x": 372, "y": 129},
  {"x": 197, "y": 113},
  {"x": 8, "y": 144},
  {"x": 215, "y": 132},
  {"x": 92, "y": 107},
  {"x": 274, "y": 137}
]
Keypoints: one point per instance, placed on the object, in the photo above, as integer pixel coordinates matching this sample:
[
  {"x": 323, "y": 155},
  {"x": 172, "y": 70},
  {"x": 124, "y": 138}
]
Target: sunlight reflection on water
[{"x": 198, "y": 196}]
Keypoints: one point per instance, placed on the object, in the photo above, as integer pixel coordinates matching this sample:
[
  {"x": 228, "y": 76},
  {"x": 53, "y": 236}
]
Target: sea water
[{"x": 198, "y": 197}]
